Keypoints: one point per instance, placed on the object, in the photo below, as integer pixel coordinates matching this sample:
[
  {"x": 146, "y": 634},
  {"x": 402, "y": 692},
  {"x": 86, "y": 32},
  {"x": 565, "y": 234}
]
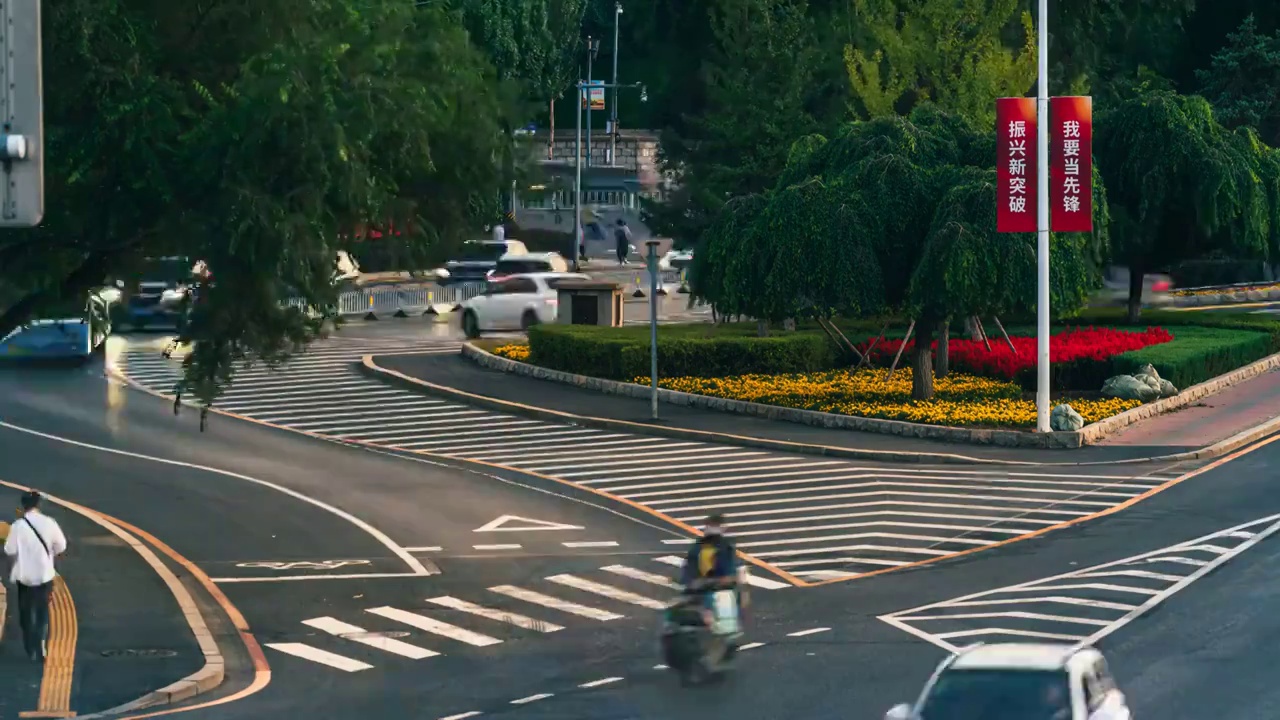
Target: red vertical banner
[
  {"x": 1071, "y": 164},
  {"x": 1016, "y": 164}
]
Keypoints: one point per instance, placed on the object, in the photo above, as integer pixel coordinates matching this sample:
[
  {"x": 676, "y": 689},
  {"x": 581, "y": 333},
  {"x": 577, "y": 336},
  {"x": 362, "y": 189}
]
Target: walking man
[{"x": 34, "y": 541}]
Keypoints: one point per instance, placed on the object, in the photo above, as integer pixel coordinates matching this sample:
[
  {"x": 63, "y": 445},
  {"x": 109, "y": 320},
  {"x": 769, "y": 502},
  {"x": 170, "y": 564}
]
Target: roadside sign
[
  {"x": 22, "y": 112},
  {"x": 595, "y": 93}
]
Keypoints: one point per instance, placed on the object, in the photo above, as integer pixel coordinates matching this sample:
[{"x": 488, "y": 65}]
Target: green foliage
[
  {"x": 1197, "y": 354},
  {"x": 616, "y": 354},
  {"x": 719, "y": 249},
  {"x": 253, "y": 136},
  {"x": 1104, "y": 48},
  {"x": 535, "y": 43},
  {"x": 1180, "y": 185},
  {"x": 953, "y": 54}
]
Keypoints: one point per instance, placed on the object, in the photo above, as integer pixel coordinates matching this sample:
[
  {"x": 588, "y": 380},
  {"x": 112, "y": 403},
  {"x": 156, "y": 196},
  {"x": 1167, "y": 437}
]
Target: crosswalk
[
  {"x": 447, "y": 624},
  {"x": 809, "y": 517},
  {"x": 1081, "y": 606}
]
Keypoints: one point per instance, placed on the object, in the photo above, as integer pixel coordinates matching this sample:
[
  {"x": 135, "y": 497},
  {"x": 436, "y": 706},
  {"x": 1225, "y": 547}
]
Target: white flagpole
[{"x": 1042, "y": 226}]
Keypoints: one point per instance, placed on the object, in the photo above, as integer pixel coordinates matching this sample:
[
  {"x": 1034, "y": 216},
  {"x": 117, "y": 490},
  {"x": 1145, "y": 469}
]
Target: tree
[
  {"x": 952, "y": 54},
  {"x": 1180, "y": 185},
  {"x": 1093, "y": 44},
  {"x": 535, "y": 43},
  {"x": 756, "y": 81},
  {"x": 1243, "y": 82},
  {"x": 251, "y": 134}
]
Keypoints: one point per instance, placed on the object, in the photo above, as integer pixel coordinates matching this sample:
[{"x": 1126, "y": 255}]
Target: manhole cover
[
  {"x": 375, "y": 635},
  {"x": 139, "y": 653}
]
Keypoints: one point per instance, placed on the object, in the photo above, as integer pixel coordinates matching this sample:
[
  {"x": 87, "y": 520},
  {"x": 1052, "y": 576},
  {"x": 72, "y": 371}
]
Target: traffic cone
[
  {"x": 684, "y": 284},
  {"x": 638, "y": 293},
  {"x": 431, "y": 305},
  {"x": 369, "y": 315}
]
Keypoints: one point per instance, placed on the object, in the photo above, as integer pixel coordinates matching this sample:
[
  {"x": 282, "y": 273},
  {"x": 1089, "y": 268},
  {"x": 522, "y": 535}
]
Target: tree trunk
[
  {"x": 789, "y": 325},
  {"x": 762, "y": 328},
  {"x": 1135, "y": 294},
  {"x": 922, "y": 364},
  {"x": 944, "y": 349},
  {"x": 971, "y": 329}
]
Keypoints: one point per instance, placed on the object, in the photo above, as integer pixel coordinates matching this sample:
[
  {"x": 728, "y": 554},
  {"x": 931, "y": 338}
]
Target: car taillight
[
  {"x": 1160, "y": 286},
  {"x": 553, "y": 301}
]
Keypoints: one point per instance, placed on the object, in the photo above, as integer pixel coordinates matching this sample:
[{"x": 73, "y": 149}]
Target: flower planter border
[{"x": 1088, "y": 435}]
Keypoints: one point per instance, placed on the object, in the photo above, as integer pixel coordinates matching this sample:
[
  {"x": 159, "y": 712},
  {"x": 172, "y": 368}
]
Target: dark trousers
[{"x": 33, "y": 615}]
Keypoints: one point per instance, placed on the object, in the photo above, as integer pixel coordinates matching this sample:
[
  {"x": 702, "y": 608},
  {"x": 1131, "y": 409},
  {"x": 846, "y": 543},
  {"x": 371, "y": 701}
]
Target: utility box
[{"x": 589, "y": 302}]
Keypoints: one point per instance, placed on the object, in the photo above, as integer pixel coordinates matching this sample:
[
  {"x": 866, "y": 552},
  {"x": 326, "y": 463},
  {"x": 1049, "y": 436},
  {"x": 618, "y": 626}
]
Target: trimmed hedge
[
  {"x": 683, "y": 351},
  {"x": 1197, "y": 354}
]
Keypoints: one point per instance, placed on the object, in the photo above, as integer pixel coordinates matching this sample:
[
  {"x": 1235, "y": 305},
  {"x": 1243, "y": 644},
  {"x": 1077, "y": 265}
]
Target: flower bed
[
  {"x": 513, "y": 351},
  {"x": 1084, "y": 346},
  {"x": 960, "y": 400},
  {"x": 1224, "y": 290}
]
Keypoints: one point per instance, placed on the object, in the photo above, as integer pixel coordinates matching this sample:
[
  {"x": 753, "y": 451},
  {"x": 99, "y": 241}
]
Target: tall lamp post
[
  {"x": 613, "y": 109},
  {"x": 593, "y": 48},
  {"x": 1042, "y": 225},
  {"x": 577, "y": 161}
]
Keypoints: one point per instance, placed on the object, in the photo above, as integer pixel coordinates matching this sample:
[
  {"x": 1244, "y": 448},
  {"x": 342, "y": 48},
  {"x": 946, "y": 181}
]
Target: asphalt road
[{"x": 404, "y": 637}]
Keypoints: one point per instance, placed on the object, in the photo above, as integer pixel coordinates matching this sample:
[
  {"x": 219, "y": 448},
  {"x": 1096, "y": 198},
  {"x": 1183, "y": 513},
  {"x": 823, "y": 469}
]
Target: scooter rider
[{"x": 712, "y": 562}]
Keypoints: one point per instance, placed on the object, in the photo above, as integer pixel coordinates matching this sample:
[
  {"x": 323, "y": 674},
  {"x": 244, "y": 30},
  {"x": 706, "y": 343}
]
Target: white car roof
[
  {"x": 548, "y": 256},
  {"x": 1022, "y": 656}
]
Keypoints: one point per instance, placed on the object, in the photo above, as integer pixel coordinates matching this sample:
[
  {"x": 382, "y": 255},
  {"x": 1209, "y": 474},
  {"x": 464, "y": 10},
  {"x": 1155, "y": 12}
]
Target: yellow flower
[
  {"x": 513, "y": 352},
  {"x": 958, "y": 399}
]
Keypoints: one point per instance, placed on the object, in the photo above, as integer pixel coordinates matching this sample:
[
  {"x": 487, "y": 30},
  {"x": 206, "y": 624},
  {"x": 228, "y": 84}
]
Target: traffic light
[{"x": 21, "y": 115}]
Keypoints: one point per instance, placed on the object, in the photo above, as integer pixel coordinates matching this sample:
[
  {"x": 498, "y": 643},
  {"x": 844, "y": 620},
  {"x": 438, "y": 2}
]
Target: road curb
[
  {"x": 370, "y": 368},
  {"x": 203, "y": 680}
]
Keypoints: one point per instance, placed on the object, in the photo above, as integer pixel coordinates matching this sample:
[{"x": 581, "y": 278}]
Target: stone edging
[
  {"x": 1089, "y": 434},
  {"x": 1227, "y": 297}
]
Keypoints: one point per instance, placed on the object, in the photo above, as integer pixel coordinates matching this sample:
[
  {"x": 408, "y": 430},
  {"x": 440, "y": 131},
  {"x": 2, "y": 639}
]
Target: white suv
[
  {"x": 515, "y": 302},
  {"x": 1019, "y": 681}
]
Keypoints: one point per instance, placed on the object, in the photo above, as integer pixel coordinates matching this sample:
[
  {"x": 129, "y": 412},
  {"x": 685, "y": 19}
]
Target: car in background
[
  {"x": 515, "y": 302},
  {"x": 478, "y": 258},
  {"x": 1156, "y": 288},
  {"x": 1019, "y": 681},
  {"x": 158, "y": 298},
  {"x": 527, "y": 263},
  {"x": 676, "y": 261}
]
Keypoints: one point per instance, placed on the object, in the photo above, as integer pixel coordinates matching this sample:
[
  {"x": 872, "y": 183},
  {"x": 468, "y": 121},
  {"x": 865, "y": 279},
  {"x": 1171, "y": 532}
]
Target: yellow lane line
[{"x": 60, "y": 663}]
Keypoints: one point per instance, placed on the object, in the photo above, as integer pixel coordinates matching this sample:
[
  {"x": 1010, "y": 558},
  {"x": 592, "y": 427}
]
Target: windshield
[
  {"x": 517, "y": 267},
  {"x": 999, "y": 695}
]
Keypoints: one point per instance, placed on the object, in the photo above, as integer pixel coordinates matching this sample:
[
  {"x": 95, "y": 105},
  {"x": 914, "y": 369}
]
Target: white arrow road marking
[{"x": 504, "y": 524}]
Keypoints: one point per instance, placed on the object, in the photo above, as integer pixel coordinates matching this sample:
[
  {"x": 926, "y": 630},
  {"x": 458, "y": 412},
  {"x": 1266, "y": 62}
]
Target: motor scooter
[{"x": 701, "y": 638}]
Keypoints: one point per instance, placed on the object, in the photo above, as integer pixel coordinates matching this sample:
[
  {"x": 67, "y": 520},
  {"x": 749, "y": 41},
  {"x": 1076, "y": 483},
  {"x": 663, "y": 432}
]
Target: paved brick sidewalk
[{"x": 1161, "y": 436}]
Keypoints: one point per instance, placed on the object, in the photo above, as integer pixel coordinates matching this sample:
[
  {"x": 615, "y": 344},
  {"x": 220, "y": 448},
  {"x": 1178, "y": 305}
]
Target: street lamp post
[
  {"x": 577, "y": 162},
  {"x": 593, "y": 47},
  {"x": 1042, "y": 225},
  {"x": 613, "y": 109}
]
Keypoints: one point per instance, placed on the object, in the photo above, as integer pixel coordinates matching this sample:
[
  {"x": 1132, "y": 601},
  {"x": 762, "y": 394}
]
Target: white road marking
[
  {"x": 515, "y": 523},
  {"x": 323, "y": 657},
  {"x": 656, "y": 459},
  {"x": 554, "y": 603},
  {"x": 520, "y": 621},
  {"x": 812, "y": 631},
  {"x": 750, "y": 646},
  {"x": 598, "y": 683},
  {"x": 294, "y": 578},
  {"x": 641, "y": 575},
  {"x": 498, "y": 546},
  {"x": 532, "y": 698},
  {"x": 347, "y": 631},
  {"x": 430, "y": 548},
  {"x": 463, "y": 716},
  {"x": 590, "y": 544},
  {"x": 609, "y": 591},
  {"x": 414, "y": 564},
  {"x": 752, "y": 580},
  {"x": 434, "y": 626}
]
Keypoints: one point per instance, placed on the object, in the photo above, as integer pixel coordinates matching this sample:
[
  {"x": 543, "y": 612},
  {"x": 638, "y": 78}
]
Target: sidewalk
[
  {"x": 122, "y": 631},
  {"x": 1165, "y": 435}
]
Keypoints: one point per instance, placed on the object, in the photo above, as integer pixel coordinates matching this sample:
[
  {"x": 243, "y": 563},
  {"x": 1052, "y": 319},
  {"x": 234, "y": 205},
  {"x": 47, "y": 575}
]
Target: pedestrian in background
[
  {"x": 35, "y": 539},
  {"x": 622, "y": 236}
]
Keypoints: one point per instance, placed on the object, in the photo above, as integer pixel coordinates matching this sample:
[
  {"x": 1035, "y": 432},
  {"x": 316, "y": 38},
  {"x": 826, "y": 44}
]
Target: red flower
[{"x": 1070, "y": 345}]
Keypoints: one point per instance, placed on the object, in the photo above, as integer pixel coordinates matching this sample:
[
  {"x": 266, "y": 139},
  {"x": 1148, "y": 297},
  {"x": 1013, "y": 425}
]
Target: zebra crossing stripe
[
  {"x": 752, "y": 580},
  {"x": 521, "y": 621},
  {"x": 553, "y": 602},
  {"x": 346, "y": 631},
  {"x": 609, "y": 591},
  {"x": 323, "y": 657},
  {"x": 637, "y": 574},
  {"x": 432, "y": 625}
]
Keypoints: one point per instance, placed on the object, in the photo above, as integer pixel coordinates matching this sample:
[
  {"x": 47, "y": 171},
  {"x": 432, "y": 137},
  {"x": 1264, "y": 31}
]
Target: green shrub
[
  {"x": 1197, "y": 354},
  {"x": 683, "y": 351}
]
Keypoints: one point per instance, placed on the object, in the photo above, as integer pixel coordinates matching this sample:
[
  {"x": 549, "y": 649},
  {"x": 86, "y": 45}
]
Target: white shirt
[
  {"x": 499, "y": 233},
  {"x": 32, "y": 564}
]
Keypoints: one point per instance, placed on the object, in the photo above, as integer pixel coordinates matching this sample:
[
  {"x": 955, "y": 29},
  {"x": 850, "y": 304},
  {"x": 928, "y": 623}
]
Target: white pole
[
  {"x": 577, "y": 180},
  {"x": 1042, "y": 226}
]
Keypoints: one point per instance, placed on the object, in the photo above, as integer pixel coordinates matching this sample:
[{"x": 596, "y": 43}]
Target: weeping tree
[
  {"x": 709, "y": 275},
  {"x": 1181, "y": 186}
]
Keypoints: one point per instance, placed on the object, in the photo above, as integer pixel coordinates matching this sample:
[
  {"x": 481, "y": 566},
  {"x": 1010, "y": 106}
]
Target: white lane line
[
  {"x": 1240, "y": 534},
  {"x": 888, "y": 524},
  {"x": 497, "y": 546},
  {"x": 428, "y": 548},
  {"x": 382, "y": 411},
  {"x": 912, "y": 504},
  {"x": 598, "y": 683},
  {"x": 895, "y": 493},
  {"x": 609, "y": 591},
  {"x": 838, "y": 561},
  {"x": 1015, "y": 633},
  {"x": 292, "y": 578},
  {"x": 713, "y": 468},
  {"x": 821, "y": 469},
  {"x": 613, "y": 445},
  {"x": 897, "y": 549},
  {"x": 1015, "y": 614},
  {"x": 826, "y": 574},
  {"x": 505, "y": 427},
  {"x": 812, "y": 631},
  {"x": 750, "y": 646},
  {"x": 436, "y": 418},
  {"x": 894, "y": 480},
  {"x": 354, "y": 633},
  {"x": 1207, "y": 548},
  {"x": 936, "y": 539},
  {"x": 1173, "y": 559},
  {"x": 431, "y": 625},
  {"x": 414, "y": 564},
  {"x": 656, "y": 459},
  {"x": 641, "y": 575},
  {"x": 1059, "y": 599},
  {"x": 520, "y": 621},
  {"x": 1087, "y": 586},
  {"x": 463, "y": 716},
  {"x": 324, "y": 657},
  {"x": 590, "y": 543},
  {"x": 752, "y": 580},
  {"x": 355, "y": 389},
  {"x": 373, "y": 397},
  {"x": 678, "y": 541},
  {"x": 820, "y": 486},
  {"x": 808, "y": 520},
  {"x": 532, "y": 698},
  {"x": 1133, "y": 573},
  {"x": 446, "y": 446},
  {"x": 554, "y": 603}
]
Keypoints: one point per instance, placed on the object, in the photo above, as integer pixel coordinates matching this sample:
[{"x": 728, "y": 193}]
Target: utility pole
[
  {"x": 577, "y": 161},
  {"x": 22, "y": 115},
  {"x": 1042, "y": 226},
  {"x": 613, "y": 109},
  {"x": 593, "y": 47}
]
